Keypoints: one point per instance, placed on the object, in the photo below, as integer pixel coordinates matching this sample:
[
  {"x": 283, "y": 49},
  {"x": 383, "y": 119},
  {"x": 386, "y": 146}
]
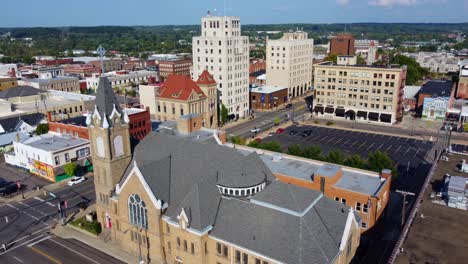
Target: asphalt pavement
[{"x": 25, "y": 229}]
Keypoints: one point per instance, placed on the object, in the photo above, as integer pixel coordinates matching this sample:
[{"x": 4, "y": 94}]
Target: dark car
[
  {"x": 307, "y": 133},
  {"x": 8, "y": 189},
  {"x": 289, "y": 105},
  {"x": 3, "y": 182},
  {"x": 292, "y": 132}
]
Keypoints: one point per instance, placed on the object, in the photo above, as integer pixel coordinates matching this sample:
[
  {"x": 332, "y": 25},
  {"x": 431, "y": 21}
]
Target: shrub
[
  {"x": 237, "y": 140},
  {"x": 330, "y": 123},
  {"x": 92, "y": 227},
  {"x": 70, "y": 168},
  {"x": 42, "y": 129},
  {"x": 336, "y": 157},
  {"x": 316, "y": 122},
  {"x": 295, "y": 150},
  {"x": 277, "y": 121}
]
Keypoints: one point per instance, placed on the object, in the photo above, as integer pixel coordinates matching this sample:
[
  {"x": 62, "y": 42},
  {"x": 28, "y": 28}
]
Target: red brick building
[
  {"x": 59, "y": 61},
  {"x": 267, "y": 97},
  {"x": 140, "y": 124},
  {"x": 343, "y": 44},
  {"x": 257, "y": 68},
  {"x": 179, "y": 67},
  {"x": 462, "y": 89},
  {"x": 82, "y": 70}
]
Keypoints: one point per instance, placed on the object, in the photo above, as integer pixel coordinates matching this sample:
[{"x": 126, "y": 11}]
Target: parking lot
[{"x": 406, "y": 152}]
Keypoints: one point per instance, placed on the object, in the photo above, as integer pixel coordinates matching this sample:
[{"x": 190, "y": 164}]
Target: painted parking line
[
  {"x": 353, "y": 143},
  {"x": 346, "y": 142},
  {"x": 379, "y": 147},
  {"x": 388, "y": 148},
  {"x": 399, "y": 147},
  {"x": 407, "y": 150},
  {"x": 322, "y": 139},
  {"x": 39, "y": 199},
  {"x": 328, "y": 141},
  {"x": 370, "y": 146},
  {"x": 39, "y": 241},
  {"x": 363, "y": 143},
  {"x": 336, "y": 142},
  {"x": 416, "y": 152}
]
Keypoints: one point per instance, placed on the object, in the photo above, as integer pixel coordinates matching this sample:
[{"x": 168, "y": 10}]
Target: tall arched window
[
  {"x": 137, "y": 212},
  {"x": 99, "y": 146},
  {"x": 118, "y": 146}
]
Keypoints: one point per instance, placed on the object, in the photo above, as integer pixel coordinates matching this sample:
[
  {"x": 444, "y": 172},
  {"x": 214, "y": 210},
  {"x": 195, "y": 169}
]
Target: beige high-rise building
[
  {"x": 224, "y": 53},
  {"x": 289, "y": 62},
  {"x": 362, "y": 93}
]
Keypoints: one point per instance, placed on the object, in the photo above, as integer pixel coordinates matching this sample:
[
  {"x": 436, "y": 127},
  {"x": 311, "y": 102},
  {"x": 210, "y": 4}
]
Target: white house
[{"x": 46, "y": 154}]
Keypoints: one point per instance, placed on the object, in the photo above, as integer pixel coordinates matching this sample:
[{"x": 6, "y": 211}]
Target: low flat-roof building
[
  {"x": 434, "y": 98},
  {"x": 25, "y": 100},
  {"x": 366, "y": 192},
  {"x": 176, "y": 66},
  {"x": 62, "y": 83},
  {"x": 122, "y": 79},
  {"x": 7, "y": 82},
  {"x": 45, "y": 155},
  {"x": 267, "y": 97}
]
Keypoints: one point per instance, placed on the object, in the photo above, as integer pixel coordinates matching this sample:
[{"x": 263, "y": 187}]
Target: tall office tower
[
  {"x": 225, "y": 54},
  {"x": 289, "y": 62}
]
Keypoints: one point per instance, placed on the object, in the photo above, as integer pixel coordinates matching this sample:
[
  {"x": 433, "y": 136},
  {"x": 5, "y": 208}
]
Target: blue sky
[{"x": 25, "y": 13}]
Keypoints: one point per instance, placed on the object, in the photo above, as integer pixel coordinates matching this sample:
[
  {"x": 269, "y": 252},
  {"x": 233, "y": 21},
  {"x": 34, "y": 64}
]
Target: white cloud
[
  {"x": 342, "y": 2},
  {"x": 388, "y": 3}
]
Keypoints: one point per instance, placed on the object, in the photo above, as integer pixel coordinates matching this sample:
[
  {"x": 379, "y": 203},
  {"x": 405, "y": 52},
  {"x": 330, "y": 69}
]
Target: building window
[
  {"x": 225, "y": 251},
  {"x": 57, "y": 160},
  {"x": 364, "y": 225},
  {"x": 118, "y": 146},
  {"x": 343, "y": 200},
  {"x": 178, "y": 242},
  {"x": 218, "y": 248},
  {"x": 185, "y": 245},
  {"x": 258, "y": 261},
  {"x": 192, "y": 248},
  {"x": 358, "y": 206},
  {"x": 67, "y": 157},
  {"x": 137, "y": 211},
  {"x": 238, "y": 256},
  {"x": 245, "y": 258},
  {"x": 337, "y": 199},
  {"x": 364, "y": 208}
]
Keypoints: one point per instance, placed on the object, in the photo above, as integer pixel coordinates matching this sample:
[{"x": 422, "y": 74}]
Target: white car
[
  {"x": 75, "y": 180},
  {"x": 255, "y": 130}
]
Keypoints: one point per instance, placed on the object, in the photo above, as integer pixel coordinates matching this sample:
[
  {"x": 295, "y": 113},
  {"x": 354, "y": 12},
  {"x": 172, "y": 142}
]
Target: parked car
[
  {"x": 255, "y": 130},
  {"x": 307, "y": 133},
  {"x": 3, "y": 182},
  {"x": 12, "y": 187},
  {"x": 289, "y": 105},
  {"x": 280, "y": 130},
  {"x": 75, "y": 180},
  {"x": 292, "y": 132},
  {"x": 271, "y": 134}
]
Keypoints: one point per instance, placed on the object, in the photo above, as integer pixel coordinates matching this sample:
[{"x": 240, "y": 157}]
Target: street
[
  {"x": 25, "y": 229},
  {"x": 265, "y": 120}
]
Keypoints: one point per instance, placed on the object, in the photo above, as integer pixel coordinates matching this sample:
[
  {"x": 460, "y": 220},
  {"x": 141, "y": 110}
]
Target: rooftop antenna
[{"x": 101, "y": 52}]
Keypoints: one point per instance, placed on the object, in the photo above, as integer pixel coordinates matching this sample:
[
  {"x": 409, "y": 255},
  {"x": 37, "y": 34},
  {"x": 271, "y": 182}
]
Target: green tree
[
  {"x": 271, "y": 146},
  {"x": 237, "y": 140},
  {"x": 295, "y": 150},
  {"x": 70, "y": 53},
  {"x": 415, "y": 72},
  {"x": 355, "y": 161},
  {"x": 277, "y": 121},
  {"x": 360, "y": 60},
  {"x": 70, "y": 168},
  {"x": 331, "y": 57},
  {"x": 224, "y": 114},
  {"x": 377, "y": 161},
  {"x": 313, "y": 152},
  {"x": 42, "y": 129},
  {"x": 144, "y": 56},
  {"x": 336, "y": 157},
  {"x": 254, "y": 144}
]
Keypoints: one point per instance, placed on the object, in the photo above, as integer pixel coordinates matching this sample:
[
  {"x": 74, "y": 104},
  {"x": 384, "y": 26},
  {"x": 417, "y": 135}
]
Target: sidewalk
[{"x": 110, "y": 247}]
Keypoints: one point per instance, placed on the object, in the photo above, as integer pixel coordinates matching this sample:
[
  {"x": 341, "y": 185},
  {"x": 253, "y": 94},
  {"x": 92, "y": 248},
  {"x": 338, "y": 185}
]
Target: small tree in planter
[
  {"x": 277, "y": 121},
  {"x": 70, "y": 168}
]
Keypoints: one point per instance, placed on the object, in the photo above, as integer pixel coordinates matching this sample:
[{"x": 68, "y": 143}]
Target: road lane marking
[
  {"x": 39, "y": 199},
  {"x": 39, "y": 241},
  {"x": 16, "y": 241},
  {"x": 21, "y": 211},
  {"x": 18, "y": 259},
  {"x": 32, "y": 208},
  {"x": 42, "y": 253},
  {"x": 29, "y": 241},
  {"x": 76, "y": 252}
]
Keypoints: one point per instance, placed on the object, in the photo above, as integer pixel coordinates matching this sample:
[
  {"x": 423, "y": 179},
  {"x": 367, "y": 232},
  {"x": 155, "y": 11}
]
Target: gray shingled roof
[
  {"x": 105, "y": 98},
  {"x": 20, "y": 91},
  {"x": 11, "y": 123},
  {"x": 173, "y": 166},
  {"x": 313, "y": 238},
  {"x": 287, "y": 196}
]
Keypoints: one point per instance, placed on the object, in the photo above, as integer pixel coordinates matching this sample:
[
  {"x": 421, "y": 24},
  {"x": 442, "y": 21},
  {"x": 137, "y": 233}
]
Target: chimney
[
  {"x": 49, "y": 116},
  {"x": 386, "y": 174},
  {"x": 17, "y": 137}
]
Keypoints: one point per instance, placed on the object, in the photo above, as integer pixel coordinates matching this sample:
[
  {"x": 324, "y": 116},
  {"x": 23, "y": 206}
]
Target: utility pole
[{"x": 403, "y": 210}]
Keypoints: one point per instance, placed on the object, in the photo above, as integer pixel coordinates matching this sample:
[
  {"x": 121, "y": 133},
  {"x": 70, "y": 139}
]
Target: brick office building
[
  {"x": 180, "y": 67},
  {"x": 139, "y": 124},
  {"x": 257, "y": 68},
  {"x": 462, "y": 89},
  {"x": 343, "y": 44},
  {"x": 267, "y": 97}
]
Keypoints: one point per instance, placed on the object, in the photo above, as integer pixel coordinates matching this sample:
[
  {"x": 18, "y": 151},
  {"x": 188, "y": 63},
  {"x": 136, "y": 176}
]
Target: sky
[{"x": 34, "y": 13}]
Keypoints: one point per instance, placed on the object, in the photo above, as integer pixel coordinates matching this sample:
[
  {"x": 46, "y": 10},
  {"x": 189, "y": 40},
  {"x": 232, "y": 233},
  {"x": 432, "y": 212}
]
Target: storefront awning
[
  {"x": 373, "y": 116},
  {"x": 340, "y": 112},
  {"x": 387, "y": 118},
  {"x": 362, "y": 114},
  {"x": 318, "y": 108},
  {"x": 329, "y": 110}
]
